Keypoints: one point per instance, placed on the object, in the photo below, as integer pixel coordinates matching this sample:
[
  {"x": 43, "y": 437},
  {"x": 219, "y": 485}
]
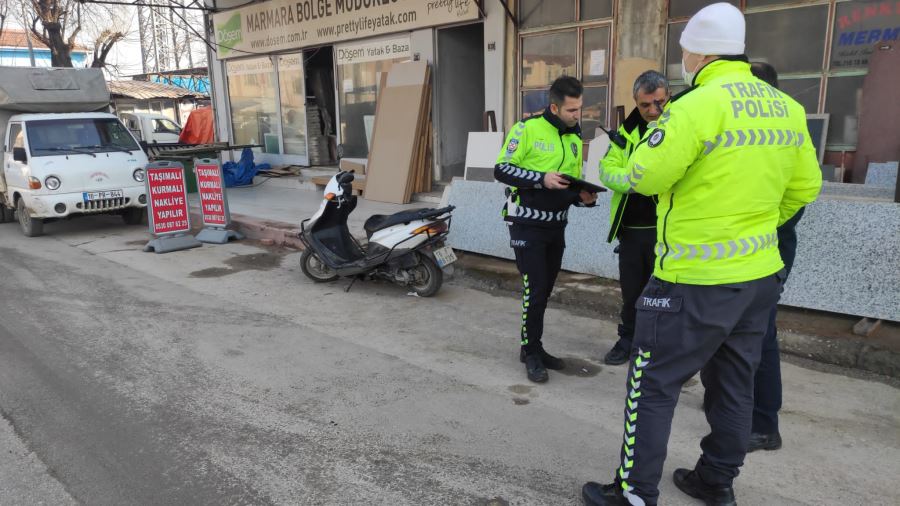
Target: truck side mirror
[{"x": 20, "y": 155}]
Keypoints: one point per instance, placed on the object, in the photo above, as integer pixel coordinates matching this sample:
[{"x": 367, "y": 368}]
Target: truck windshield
[{"x": 78, "y": 135}]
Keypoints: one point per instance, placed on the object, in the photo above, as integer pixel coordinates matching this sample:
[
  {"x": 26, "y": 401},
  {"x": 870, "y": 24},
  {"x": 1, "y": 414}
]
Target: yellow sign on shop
[{"x": 290, "y": 24}]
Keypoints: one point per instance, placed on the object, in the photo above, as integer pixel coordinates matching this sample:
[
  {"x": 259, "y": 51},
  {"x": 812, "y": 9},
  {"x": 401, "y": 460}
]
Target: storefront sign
[
  {"x": 375, "y": 50},
  {"x": 167, "y": 195},
  {"x": 212, "y": 194},
  {"x": 289, "y": 24},
  {"x": 251, "y": 66},
  {"x": 858, "y": 27}
]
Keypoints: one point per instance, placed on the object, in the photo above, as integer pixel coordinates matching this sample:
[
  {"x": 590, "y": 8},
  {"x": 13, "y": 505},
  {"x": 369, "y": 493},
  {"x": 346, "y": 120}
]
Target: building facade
[
  {"x": 314, "y": 86},
  {"x": 14, "y": 51}
]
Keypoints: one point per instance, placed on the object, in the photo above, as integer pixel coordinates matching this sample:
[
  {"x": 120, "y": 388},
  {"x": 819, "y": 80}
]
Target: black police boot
[
  {"x": 595, "y": 494},
  {"x": 550, "y": 362},
  {"x": 616, "y": 356},
  {"x": 690, "y": 483},
  {"x": 535, "y": 369},
  {"x": 764, "y": 442}
]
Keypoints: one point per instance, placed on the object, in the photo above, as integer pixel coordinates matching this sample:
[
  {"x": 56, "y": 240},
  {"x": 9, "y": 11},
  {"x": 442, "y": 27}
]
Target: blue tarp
[{"x": 242, "y": 172}]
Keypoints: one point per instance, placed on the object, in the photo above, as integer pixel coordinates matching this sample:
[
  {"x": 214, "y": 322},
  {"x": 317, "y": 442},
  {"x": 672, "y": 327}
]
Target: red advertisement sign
[
  {"x": 212, "y": 195},
  {"x": 167, "y": 200}
]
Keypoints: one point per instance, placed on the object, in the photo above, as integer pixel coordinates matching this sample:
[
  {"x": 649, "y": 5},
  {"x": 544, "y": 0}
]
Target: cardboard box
[{"x": 358, "y": 168}]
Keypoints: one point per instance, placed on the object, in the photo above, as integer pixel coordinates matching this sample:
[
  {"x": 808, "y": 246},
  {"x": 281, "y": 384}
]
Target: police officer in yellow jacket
[
  {"x": 537, "y": 154},
  {"x": 730, "y": 159},
  {"x": 632, "y": 217}
]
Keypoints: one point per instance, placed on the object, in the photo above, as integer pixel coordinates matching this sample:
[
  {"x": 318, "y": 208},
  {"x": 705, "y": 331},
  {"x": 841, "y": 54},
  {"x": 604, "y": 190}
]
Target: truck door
[{"x": 13, "y": 171}]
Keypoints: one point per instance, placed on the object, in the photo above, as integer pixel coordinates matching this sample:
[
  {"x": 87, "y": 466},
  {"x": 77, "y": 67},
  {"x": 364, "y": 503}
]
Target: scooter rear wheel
[
  {"x": 316, "y": 270},
  {"x": 428, "y": 277}
]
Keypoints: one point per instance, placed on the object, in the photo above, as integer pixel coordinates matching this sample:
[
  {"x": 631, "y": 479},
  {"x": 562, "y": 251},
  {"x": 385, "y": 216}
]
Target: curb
[{"x": 600, "y": 297}]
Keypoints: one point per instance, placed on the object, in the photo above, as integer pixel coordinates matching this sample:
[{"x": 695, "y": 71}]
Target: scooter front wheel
[
  {"x": 427, "y": 277},
  {"x": 316, "y": 270}
]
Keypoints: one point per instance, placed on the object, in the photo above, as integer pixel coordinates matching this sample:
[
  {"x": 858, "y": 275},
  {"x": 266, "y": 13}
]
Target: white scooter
[{"x": 406, "y": 248}]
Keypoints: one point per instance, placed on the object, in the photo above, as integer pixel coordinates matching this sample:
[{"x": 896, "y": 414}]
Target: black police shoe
[
  {"x": 550, "y": 362},
  {"x": 616, "y": 356},
  {"x": 595, "y": 494},
  {"x": 535, "y": 369},
  {"x": 690, "y": 483},
  {"x": 764, "y": 442}
]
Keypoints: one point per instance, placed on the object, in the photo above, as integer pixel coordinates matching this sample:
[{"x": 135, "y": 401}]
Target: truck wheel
[
  {"x": 134, "y": 215},
  {"x": 7, "y": 215},
  {"x": 31, "y": 227},
  {"x": 427, "y": 277},
  {"x": 315, "y": 269}
]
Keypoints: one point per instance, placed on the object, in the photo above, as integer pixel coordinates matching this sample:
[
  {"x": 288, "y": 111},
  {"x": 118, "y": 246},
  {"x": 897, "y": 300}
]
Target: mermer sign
[{"x": 290, "y": 24}]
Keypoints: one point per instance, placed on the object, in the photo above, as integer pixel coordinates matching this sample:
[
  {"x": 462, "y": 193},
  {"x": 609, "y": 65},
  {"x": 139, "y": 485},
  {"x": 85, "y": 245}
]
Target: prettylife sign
[
  {"x": 212, "y": 194},
  {"x": 858, "y": 27},
  {"x": 167, "y": 200},
  {"x": 291, "y": 24}
]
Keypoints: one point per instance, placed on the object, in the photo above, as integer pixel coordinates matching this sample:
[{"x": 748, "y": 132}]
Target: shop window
[
  {"x": 791, "y": 40},
  {"x": 842, "y": 103},
  {"x": 547, "y": 57},
  {"x": 858, "y": 26},
  {"x": 595, "y": 55},
  {"x": 752, "y": 4},
  {"x": 357, "y": 92},
  {"x": 596, "y": 9},
  {"x": 804, "y": 91},
  {"x": 535, "y": 13},
  {"x": 534, "y": 102},
  {"x": 293, "y": 103},
  {"x": 673, "y": 51},
  {"x": 687, "y": 8},
  {"x": 251, "y": 92},
  {"x": 593, "y": 112}
]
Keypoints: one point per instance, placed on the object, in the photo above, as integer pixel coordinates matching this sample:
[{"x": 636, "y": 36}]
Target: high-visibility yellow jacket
[
  {"x": 731, "y": 159},
  {"x": 534, "y": 147},
  {"x": 614, "y": 175}
]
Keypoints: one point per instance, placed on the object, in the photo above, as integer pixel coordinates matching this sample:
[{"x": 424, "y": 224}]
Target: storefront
[
  {"x": 819, "y": 48},
  {"x": 300, "y": 77}
]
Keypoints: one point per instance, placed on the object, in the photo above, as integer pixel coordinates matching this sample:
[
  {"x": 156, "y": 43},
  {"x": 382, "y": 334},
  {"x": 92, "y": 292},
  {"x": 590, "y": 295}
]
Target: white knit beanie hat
[{"x": 718, "y": 29}]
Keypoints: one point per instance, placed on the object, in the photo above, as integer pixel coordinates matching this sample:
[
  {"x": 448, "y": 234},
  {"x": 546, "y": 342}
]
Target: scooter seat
[{"x": 378, "y": 222}]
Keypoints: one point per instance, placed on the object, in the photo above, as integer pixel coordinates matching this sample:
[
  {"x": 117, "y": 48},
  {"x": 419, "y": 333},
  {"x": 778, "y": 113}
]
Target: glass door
[{"x": 292, "y": 89}]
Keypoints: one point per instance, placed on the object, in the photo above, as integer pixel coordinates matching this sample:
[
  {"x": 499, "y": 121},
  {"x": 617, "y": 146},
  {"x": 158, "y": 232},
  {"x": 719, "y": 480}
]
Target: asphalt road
[{"x": 221, "y": 376}]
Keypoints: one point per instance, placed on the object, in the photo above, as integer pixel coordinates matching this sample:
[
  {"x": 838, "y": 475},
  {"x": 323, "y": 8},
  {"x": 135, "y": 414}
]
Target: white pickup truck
[
  {"x": 152, "y": 128},
  {"x": 61, "y": 157}
]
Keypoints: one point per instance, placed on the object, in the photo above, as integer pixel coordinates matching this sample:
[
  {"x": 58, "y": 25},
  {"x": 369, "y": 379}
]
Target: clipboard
[{"x": 581, "y": 184}]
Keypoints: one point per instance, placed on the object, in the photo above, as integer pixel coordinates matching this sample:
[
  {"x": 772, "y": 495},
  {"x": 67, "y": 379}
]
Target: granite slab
[
  {"x": 847, "y": 258},
  {"x": 883, "y": 175},
  {"x": 857, "y": 190}
]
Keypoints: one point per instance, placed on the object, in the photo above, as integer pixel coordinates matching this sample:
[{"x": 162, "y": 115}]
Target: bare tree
[
  {"x": 60, "y": 22},
  {"x": 115, "y": 28},
  {"x": 103, "y": 44},
  {"x": 4, "y": 14}
]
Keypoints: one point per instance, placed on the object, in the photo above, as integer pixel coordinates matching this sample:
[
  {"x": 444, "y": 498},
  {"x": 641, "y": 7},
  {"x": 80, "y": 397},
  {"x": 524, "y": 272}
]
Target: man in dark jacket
[
  {"x": 632, "y": 218},
  {"x": 767, "y": 382}
]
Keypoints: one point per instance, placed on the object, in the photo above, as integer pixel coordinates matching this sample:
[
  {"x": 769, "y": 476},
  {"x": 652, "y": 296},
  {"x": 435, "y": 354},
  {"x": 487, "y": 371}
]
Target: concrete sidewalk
[{"x": 271, "y": 211}]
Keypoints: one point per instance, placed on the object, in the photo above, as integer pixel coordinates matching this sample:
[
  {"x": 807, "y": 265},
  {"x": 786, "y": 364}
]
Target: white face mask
[{"x": 688, "y": 76}]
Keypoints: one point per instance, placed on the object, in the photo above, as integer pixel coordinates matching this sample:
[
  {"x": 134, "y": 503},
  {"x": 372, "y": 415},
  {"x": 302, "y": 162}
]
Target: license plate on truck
[
  {"x": 444, "y": 256},
  {"x": 104, "y": 195}
]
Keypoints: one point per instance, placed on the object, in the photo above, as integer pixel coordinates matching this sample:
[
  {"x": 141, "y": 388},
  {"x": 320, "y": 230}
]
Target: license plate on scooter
[{"x": 444, "y": 256}]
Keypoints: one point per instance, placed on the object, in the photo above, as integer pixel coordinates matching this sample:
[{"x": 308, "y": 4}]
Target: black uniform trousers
[
  {"x": 681, "y": 329},
  {"x": 539, "y": 253},
  {"x": 636, "y": 262},
  {"x": 767, "y": 390}
]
